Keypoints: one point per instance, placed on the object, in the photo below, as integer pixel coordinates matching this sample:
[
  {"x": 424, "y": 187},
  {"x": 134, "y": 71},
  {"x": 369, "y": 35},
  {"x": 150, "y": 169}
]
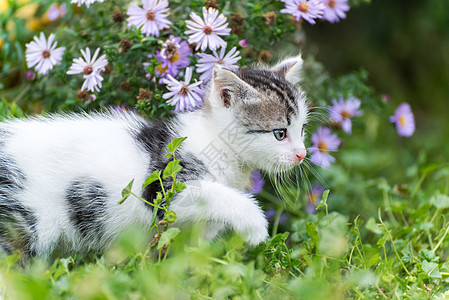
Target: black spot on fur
[
  {"x": 87, "y": 199},
  {"x": 17, "y": 222},
  {"x": 154, "y": 137}
]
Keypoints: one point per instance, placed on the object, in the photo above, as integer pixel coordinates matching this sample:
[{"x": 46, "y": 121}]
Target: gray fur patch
[
  {"x": 87, "y": 207},
  {"x": 17, "y": 222},
  {"x": 278, "y": 101}
]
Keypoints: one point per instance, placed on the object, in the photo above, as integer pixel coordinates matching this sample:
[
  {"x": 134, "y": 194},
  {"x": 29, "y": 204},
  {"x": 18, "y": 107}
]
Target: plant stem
[
  {"x": 149, "y": 203},
  {"x": 442, "y": 238}
]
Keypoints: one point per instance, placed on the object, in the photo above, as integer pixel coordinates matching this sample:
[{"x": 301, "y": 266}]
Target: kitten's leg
[{"x": 212, "y": 202}]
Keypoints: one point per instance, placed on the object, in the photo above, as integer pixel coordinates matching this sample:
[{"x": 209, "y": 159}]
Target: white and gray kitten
[{"x": 61, "y": 177}]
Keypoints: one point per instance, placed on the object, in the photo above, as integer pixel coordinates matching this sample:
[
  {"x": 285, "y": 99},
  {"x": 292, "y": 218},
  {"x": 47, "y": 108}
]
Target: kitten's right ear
[
  {"x": 290, "y": 69},
  {"x": 230, "y": 88}
]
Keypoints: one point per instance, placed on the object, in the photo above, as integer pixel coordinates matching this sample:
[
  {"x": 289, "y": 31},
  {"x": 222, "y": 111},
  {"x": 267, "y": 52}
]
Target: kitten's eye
[{"x": 280, "y": 134}]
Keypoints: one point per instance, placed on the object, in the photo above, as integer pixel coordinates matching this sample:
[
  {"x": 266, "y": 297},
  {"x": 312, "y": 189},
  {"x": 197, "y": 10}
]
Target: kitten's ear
[
  {"x": 290, "y": 69},
  {"x": 230, "y": 88}
]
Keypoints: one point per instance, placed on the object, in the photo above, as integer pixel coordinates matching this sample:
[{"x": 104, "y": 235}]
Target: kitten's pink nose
[{"x": 301, "y": 154}]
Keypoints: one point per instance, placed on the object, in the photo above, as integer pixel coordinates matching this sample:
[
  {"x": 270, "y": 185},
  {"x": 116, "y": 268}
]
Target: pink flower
[
  {"x": 404, "y": 119},
  {"x": 243, "y": 43},
  {"x": 43, "y": 54},
  {"x": 207, "y": 62},
  {"x": 183, "y": 95},
  {"x": 335, "y": 10},
  {"x": 205, "y": 32},
  {"x": 308, "y": 10},
  {"x": 90, "y": 67},
  {"x": 152, "y": 18}
]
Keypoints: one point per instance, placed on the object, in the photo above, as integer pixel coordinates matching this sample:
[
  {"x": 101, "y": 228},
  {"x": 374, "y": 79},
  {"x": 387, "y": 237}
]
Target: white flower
[
  {"x": 207, "y": 62},
  {"x": 87, "y": 2},
  {"x": 43, "y": 54},
  {"x": 91, "y": 68},
  {"x": 152, "y": 17},
  {"x": 205, "y": 32},
  {"x": 182, "y": 95}
]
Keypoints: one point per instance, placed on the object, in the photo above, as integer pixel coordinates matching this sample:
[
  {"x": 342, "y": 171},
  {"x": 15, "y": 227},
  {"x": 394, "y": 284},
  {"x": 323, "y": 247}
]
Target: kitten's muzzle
[{"x": 300, "y": 155}]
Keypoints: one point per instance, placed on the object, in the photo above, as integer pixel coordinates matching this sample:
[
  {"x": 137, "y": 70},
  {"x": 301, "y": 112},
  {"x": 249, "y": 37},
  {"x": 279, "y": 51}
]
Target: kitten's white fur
[{"x": 63, "y": 147}]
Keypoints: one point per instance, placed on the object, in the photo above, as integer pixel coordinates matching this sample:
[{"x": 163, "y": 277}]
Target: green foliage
[
  {"x": 325, "y": 256},
  {"x": 163, "y": 235}
]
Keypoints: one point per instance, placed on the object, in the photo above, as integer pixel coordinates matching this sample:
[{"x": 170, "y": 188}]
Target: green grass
[{"x": 399, "y": 254}]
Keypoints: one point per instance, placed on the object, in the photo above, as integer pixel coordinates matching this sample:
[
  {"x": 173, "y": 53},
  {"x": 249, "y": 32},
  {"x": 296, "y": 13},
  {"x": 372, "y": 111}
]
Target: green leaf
[
  {"x": 158, "y": 198},
  {"x": 178, "y": 186},
  {"x": 428, "y": 255},
  {"x": 279, "y": 239},
  {"x": 170, "y": 217},
  {"x": 440, "y": 201},
  {"x": 312, "y": 232},
  {"x": 323, "y": 200},
  {"x": 126, "y": 192},
  {"x": 152, "y": 178},
  {"x": 175, "y": 144},
  {"x": 431, "y": 269},
  {"x": 167, "y": 236},
  {"x": 172, "y": 169},
  {"x": 372, "y": 226}
]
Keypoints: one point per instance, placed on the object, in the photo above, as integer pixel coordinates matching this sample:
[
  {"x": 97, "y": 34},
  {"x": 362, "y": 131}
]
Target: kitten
[{"x": 61, "y": 176}]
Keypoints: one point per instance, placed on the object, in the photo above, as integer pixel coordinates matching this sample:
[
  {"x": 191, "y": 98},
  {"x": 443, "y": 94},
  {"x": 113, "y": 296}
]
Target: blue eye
[{"x": 280, "y": 134}]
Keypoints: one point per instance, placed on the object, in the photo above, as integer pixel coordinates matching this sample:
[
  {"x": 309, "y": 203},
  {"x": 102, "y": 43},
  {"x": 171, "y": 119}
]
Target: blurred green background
[{"x": 404, "y": 46}]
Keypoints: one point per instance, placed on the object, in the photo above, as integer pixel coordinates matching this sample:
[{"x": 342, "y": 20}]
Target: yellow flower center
[
  {"x": 322, "y": 147},
  {"x": 345, "y": 114},
  {"x": 402, "y": 121},
  {"x": 313, "y": 198},
  {"x": 303, "y": 7},
  {"x": 332, "y": 3},
  {"x": 161, "y": 68},
  {"x": 174, "y": 58}
]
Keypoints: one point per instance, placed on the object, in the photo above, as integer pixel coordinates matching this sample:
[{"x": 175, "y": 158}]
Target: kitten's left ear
[{"x": 290, "y": 69}]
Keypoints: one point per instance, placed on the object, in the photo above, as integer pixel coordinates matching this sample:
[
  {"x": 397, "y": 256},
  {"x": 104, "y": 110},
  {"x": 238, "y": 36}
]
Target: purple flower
[
  {"x": 342, "y": 112},
  {"x": 53, "y": 12},
  {"x": 314, "y": 198},
  {"x": 243, "y": 43},
  {"x": 205, "y": 33},
  {"x": 182, "y": 95},
  {"x": 257, "y": 183},
  {"x": 207, "y": 62},
  {"x": 152, "y": 17},
  {"x": 306, "y": 9},
  {"x": 29, "y": 75},
  {"x": 173, "y": 56},
  {"x": 404, "y": 119},
  {"x": 335, "y": 10},
  {"x": 43, "y": 54},
  {"x": 323, "y": 142}
]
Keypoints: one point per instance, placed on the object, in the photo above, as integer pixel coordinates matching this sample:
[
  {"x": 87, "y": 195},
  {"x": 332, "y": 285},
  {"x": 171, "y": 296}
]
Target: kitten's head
[{"x": 260, "y": 114}]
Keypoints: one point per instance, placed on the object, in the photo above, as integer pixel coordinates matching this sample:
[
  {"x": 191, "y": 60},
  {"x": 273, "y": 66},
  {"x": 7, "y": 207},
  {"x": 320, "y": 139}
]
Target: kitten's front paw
[{"x": 255, "y": 229}]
